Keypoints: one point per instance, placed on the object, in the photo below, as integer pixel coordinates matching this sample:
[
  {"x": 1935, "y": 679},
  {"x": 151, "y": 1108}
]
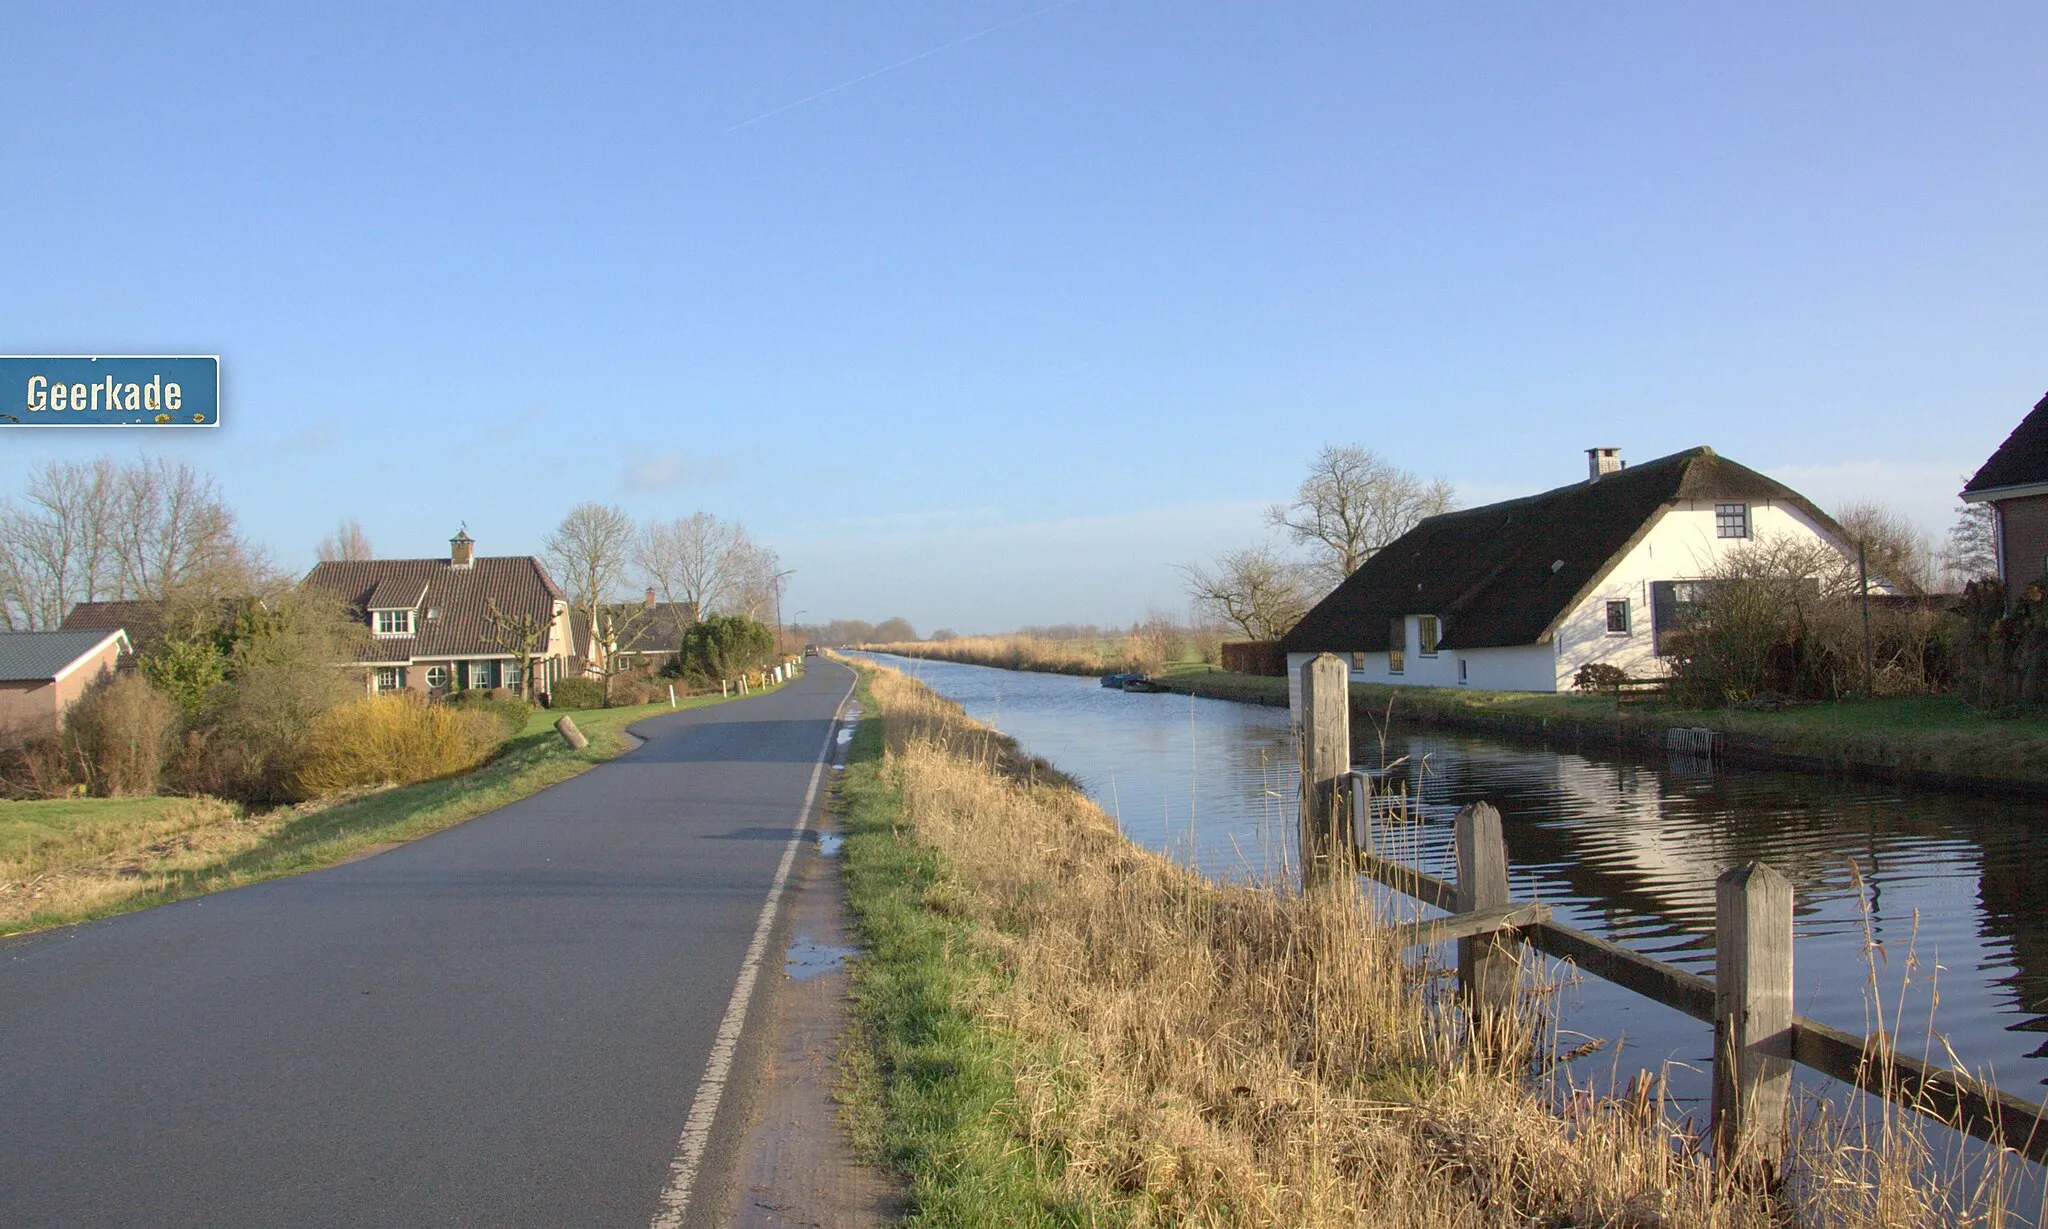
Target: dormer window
[{"x": 394, "y": 622}]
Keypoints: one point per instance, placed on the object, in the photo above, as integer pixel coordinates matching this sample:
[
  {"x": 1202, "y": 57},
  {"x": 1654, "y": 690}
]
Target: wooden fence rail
[{"x": 1757, "y": 1037}]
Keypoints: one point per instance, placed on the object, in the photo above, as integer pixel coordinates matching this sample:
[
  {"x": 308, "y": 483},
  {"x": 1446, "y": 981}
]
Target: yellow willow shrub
[
  {"x": 392, "y": 740},
  {"x": 1239, "y": 1055}
]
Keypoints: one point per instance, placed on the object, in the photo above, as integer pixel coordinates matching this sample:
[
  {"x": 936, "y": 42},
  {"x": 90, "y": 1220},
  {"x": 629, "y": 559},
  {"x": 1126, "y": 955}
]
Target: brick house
[
  {"x": 431, "y": 621},
  {"x": 42, "y": 674},
  {"x": 2015, "y": 483}
]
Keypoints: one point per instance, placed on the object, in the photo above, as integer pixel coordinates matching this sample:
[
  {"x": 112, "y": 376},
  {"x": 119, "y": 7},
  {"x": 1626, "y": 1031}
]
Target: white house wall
[{"x": 1681, "y": 545}]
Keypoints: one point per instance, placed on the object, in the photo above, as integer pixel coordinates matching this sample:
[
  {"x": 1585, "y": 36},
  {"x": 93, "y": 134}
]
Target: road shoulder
[{"x": 798, "y": 1166}]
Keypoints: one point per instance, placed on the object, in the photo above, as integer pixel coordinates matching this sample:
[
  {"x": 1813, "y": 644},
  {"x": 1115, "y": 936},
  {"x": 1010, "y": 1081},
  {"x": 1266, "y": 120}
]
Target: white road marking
[{"x": 682, "y": 1172}]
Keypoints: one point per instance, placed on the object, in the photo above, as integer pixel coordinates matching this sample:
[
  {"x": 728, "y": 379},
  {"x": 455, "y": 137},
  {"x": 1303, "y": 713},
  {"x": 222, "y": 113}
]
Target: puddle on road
[
  {"x": 809, "y": 958},
  {"x": 829, "y": 843}
]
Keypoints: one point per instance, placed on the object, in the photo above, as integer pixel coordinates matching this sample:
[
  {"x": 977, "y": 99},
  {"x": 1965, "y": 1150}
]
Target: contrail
[{"x": 890, "y": 68}]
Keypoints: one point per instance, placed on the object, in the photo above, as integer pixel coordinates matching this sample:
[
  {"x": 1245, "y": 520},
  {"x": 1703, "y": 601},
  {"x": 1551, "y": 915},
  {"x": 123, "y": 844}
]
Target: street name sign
[{"x": 109, "y": 390}]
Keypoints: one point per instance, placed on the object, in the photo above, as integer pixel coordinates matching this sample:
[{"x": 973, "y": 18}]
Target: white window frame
[
  {"x": 388, "y": 678},
  {"x": 511, "y": 674},
  {"x": 1733, "y": 517},
  {"x": 393, "y": 622},
  {"x": 1628, "y": 617},
  {"x": 437, "y": 676}
]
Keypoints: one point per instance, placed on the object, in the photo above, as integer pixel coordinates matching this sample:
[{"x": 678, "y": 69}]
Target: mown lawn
[{"x": 71, "y": 860}]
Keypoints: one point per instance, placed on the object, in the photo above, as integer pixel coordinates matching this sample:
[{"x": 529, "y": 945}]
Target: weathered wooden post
[
  {"x": 1488, "y": 967},
  {"x": 1752, "y": 1018},
  {"x": 566, "y": 727},
  {"x": 1325, "y": 759},
  {"x": 1359, "y": 786}
]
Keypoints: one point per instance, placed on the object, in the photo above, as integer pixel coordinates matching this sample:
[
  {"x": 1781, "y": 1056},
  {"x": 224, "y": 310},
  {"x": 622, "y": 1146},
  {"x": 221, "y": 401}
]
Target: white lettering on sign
[{"x": 108, "y": 394}]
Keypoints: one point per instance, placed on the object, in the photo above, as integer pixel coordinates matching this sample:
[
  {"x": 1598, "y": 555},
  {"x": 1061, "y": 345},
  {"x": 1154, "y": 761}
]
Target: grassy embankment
[
  {"x": 70, "y": 860},
  {"x": 1054, "y": 1027},
  {"x": 1932, "y": 740}
]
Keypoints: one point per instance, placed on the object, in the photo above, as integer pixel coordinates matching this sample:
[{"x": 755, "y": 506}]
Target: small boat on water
[{"x": 1132, "y": 682}]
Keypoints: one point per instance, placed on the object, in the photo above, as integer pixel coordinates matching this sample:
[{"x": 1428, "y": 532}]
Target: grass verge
[
  {"x": 1055, "y": 1027},
  {"x": 73, "y": 860}
]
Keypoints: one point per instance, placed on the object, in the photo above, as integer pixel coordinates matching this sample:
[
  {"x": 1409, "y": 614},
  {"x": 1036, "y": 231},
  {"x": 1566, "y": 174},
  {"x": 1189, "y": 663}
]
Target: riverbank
[
  {"x": 1056, "y": 1027},
  {"x": 1933, "y": 741},
  {"x": 1937, "y": 741},
  {"x": 73, "y": 860}
]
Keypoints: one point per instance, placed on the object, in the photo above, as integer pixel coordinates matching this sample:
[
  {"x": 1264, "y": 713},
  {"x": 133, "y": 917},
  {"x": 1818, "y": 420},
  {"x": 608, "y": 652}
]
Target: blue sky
[{"x": 997, "y": 335}]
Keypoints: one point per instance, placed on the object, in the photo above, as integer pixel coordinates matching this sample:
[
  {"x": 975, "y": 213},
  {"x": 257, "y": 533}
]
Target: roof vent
[
  {"x": 1601, "y": 461},
  {"x": 1556, "y": 566}
]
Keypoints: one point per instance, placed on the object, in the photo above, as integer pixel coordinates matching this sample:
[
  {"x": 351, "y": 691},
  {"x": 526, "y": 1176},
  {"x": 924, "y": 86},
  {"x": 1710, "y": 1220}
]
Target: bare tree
[
  {"x": 348, "y": 541},
  {"x": 588, "y": 551},
  {"x": 616, "y": 626},
  {"x": 57, "y": 548},
  {"x": 521, "y": 633},
  {"x": 93, "y": 531},
  {"x": 1256, "y": 590},
  {"x": 1893, "y": 547},
  {"x": 1352, "y": 504},
  {"x": 1971, "y": 552},
  {"x": 692, "y": 559},
  {"x": 755, "y": 589},
  {"x": 174, "y": 534}
]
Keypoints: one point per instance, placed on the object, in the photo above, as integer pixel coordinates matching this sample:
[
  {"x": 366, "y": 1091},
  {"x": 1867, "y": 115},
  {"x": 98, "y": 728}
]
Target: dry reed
[{"x": 1235, "y": 1055}]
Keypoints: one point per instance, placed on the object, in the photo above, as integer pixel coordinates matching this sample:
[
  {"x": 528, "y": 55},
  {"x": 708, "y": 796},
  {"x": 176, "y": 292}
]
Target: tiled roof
[
  {"x": 663, "y": 631},
  {"x": 40, "y": 656},
  {"x": 453, "y": 619},
  {"x": 2021, "y": 460},
  {"x": 1503, "y": 574},
  {"x": 396, "y": 593},
  {"x": 141, "y": 620}
]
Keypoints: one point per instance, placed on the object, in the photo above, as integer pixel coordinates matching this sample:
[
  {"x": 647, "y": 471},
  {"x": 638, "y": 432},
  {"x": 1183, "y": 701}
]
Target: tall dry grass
[
  {"x": 1235, "y": 1055},
  {"x": 1035, "y": 653},
  {"x": 89, "y": 865}
]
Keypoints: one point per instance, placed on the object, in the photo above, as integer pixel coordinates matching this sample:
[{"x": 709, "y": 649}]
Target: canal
[{"x": 1925, "y": 909}]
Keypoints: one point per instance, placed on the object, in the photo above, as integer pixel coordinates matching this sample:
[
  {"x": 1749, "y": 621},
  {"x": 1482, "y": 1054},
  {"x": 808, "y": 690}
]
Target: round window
[{"x": 437, "y": 676}]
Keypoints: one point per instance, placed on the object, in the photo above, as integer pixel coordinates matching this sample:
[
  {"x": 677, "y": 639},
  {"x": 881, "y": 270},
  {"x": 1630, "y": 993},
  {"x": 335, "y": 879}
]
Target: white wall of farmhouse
[{"x": 1682, "y": 544}]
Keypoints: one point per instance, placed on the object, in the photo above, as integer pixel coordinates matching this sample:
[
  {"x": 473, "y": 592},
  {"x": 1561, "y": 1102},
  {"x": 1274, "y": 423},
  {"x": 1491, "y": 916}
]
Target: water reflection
[{"x": 1623, "y": 846}]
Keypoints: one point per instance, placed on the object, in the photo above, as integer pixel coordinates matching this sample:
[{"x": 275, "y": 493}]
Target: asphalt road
[{"x": 506, "y": 1023}]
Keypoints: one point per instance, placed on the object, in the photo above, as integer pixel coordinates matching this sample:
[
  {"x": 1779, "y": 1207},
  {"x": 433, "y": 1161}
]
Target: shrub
[
  {"x": 1600, "y": 676},
  {"x": 725, "y": 647},
  {"x": 576, "y": 693},
  {"x": 392, "y": 740},
  {"x": 499, "y": 703},
  {"x": 39, "y": 764},
  {"x": 123, "y": 729},
  {"x": 188, "y": 671}
]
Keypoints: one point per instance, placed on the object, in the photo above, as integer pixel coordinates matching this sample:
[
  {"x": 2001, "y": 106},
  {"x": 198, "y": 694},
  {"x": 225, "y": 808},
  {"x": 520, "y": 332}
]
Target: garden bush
[
  {"x": 123, "y": 729},
  {"x": 576, "y": 693},
  {"x": 392, "y": 740},
  {"x": 499, "y": 703},
  {"x": 725, "y": 647}
]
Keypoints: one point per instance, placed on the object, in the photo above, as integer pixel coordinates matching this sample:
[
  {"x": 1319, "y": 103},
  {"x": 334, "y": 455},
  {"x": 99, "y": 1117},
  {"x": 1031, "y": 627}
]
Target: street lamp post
[{"x": 775, "y": 582}]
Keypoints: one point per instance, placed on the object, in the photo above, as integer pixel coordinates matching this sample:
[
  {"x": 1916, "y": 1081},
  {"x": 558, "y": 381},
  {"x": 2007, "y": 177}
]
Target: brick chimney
[
  {"x": 650, "y": 597},
  {"x": 461, "y": 549},
  {"x": 1602, "y": 461}
]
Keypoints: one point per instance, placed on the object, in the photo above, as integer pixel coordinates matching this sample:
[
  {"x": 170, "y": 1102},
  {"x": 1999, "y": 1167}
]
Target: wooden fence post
[
  {"x": 1488, "y": 967},
  {"x": 1752, "y": 1018},
  {"x": 1359, "y": 786},
  {"x": 1325, "y": 758}
]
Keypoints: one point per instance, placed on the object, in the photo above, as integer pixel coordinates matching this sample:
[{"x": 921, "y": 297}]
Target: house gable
[
  {"x": 451, "y": 606},
  {"x": 1510, "y": 573},
  {"x": 2020, "y": 465}
]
